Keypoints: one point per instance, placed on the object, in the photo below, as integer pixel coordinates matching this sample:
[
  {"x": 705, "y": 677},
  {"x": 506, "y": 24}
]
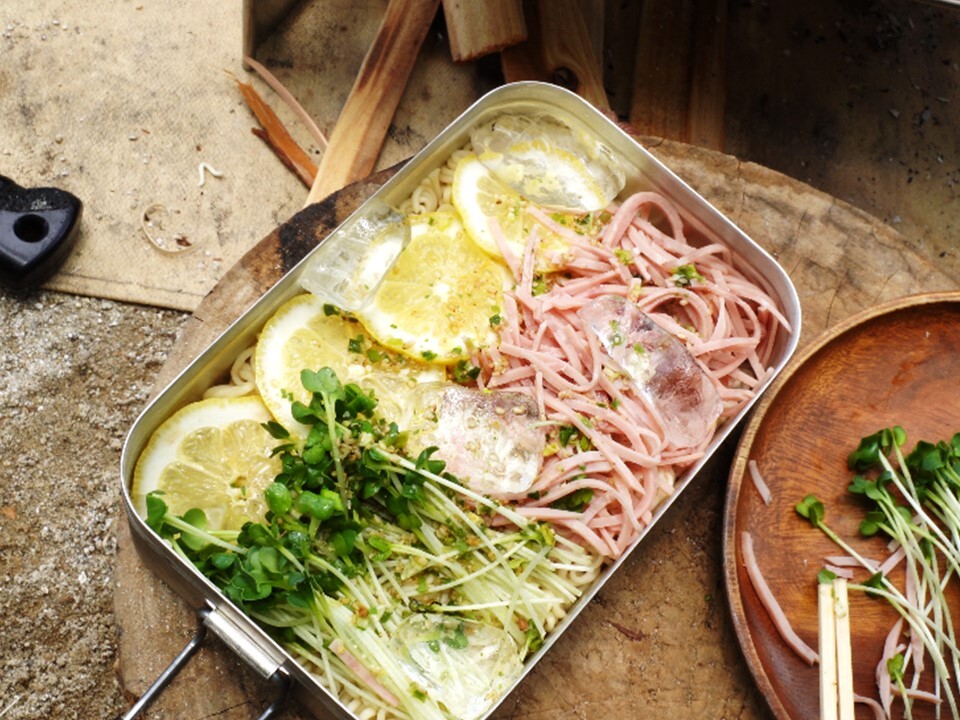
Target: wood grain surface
[
  {"x": 558, "y": 50},
  {"x": 657, "y": 639},
  {"x": 896, "y": 364},
  {"x": 478, "y": 29},
  {"x": 366, "y": 116}
]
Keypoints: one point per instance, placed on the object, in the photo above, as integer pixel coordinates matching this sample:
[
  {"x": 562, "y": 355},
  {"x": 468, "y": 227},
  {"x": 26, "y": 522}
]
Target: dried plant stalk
[{"x": 275, "y": 135}]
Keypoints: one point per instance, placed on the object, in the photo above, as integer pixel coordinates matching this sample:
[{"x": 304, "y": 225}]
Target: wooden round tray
[
  {"x": 661, "y": 611},
  {"x": 897, "y": 363}
]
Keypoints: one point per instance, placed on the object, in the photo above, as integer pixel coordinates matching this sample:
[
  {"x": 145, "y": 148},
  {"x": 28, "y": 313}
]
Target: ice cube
[
  {"x": 488, "y": 439},
  {"x": 659, "y": 365},
  {"x": 348, "y": 266},
  {"x": 548, "y": 162},
  {"x": 463, "y": 665}
]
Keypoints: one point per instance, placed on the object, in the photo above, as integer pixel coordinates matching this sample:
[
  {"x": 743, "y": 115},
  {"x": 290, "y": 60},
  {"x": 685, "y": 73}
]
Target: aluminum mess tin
[{"x": 643, "y": 172}]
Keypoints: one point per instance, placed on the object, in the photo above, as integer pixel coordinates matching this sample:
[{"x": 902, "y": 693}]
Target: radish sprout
[
  {"x": 380, "y": 571},
  {"x": 913, "y": 499}
]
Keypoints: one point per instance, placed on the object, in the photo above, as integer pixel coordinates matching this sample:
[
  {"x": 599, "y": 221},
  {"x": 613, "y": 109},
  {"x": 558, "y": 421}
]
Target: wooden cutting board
[{"x": 657, "y": 639}]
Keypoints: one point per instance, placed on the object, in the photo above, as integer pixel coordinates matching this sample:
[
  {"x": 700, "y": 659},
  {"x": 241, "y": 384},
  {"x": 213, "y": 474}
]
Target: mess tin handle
[{"x": 210, "y": 618}]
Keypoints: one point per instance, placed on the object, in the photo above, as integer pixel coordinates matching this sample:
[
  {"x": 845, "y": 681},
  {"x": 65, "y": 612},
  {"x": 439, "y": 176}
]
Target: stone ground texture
[{"x": 76, "y": 371}]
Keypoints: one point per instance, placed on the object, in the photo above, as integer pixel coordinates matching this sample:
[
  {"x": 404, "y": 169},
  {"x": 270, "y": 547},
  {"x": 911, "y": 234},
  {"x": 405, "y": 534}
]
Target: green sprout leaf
[
  {"x": 322, "y": 382},
  {"x": 872, "y": 523},
  {"x": 826, "y": 577},
  {"x": 278, "y": 498},
  {"x": 895, "y": 668},
  {"x": 576, "y": 501},
  {"x": 875, "y": 581},
  {"x": 276, "y": 430},
  {"x": 156, "y": 511},
  {"x": 812, "y": 509},
  {"x": 871, "y": 447},
  {"x": 197, "y": 518}
]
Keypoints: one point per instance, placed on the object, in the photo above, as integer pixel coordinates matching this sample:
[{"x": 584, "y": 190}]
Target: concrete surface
[{"x": 75, "y": 373}]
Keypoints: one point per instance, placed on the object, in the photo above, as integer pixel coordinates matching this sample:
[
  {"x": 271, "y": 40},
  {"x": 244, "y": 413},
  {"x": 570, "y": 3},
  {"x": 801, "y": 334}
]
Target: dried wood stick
[
  {"x": 278, "y": 87},
  {"x": 480, "y": 28},
  {"x": 275, "y": 135},
  {"x": 362, "y": 126}
]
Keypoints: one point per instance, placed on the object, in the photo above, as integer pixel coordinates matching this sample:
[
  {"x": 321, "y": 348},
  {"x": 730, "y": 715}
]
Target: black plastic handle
[{"x": 38, "y": 228}]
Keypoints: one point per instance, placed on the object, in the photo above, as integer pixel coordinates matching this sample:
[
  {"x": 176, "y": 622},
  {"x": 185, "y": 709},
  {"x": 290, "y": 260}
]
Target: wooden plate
[{"x": 898, "y": 363}]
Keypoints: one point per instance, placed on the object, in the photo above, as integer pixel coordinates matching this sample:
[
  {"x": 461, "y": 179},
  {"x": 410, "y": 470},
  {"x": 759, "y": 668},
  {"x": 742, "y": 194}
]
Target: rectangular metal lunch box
[{"x": 643, "y": 171}]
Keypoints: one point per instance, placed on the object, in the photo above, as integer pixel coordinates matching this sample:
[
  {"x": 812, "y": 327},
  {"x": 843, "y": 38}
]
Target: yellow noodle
[
  {"x": 434, "y": 191},
  {"x": 242, "y": 378}
]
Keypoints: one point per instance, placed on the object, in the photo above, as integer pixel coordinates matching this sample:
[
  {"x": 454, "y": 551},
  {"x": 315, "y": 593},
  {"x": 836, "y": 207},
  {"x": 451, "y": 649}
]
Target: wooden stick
[
  {"x": 270, "y": 79},
  {"x": 828, "y": 652},
  {"x": 844, "y": 655},
  {"x": 358, "y": 135},
  {"x": 276, "y": 136},
  {"x": 557, "y": 50},
  {"x": 480, "y": 28}
]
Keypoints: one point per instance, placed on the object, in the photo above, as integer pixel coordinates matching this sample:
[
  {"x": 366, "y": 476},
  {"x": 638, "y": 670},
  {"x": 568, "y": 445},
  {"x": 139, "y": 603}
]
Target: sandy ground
[{"x": 76, "y": 371}]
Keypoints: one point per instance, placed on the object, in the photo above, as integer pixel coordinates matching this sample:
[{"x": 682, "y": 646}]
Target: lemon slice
[
  {"x": 304, "y": 335},
  {"x": 437, "y": 300},
  {"x": 480, "y": 197},
  {"x": 547, "y": 175},
  {"x": 549, "y": 162},
  {"x": 213, "y": 455}
]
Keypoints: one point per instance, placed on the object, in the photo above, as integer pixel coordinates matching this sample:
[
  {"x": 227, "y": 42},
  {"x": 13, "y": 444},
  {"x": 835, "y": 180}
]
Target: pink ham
[{"x": 659, "y": 366}]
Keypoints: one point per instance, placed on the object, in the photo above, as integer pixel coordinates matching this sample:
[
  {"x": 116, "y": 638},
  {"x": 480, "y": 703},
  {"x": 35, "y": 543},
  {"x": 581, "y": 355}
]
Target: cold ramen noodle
[{"x": 480, "y": 398}]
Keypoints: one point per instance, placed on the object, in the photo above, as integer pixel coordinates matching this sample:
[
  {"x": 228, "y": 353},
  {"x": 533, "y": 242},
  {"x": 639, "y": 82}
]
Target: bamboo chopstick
[
  {"x": 844, "y": 657},
  {"x": 829, "y": 706},
  {"x": 836, "y": 662}
]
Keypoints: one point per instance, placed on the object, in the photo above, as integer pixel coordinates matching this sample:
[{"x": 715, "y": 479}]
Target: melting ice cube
[
  {"x": 349, "y": 265},
  {"x": 487, "y": 438},
  {"x": 659, "y": 365},
  {"x": 548, "y": 162},
  {"x": 464, "y": 665}
]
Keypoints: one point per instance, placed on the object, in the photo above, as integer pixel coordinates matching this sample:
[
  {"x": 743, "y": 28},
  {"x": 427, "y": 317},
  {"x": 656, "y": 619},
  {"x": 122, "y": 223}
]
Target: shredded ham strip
[
  {"x": 890, "y": 648},
  {"x": 848, "y": 561},
  {"x": 773, "y": 608},
  {"x": 878, "y": 713},
  {"x": 841, "y": 572},
  {"x": 891, "y": 562},
  {"x": 759, "y": 483},
  {"x": 726, "y": 321},
  {"x": 365, "y": 675}
]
